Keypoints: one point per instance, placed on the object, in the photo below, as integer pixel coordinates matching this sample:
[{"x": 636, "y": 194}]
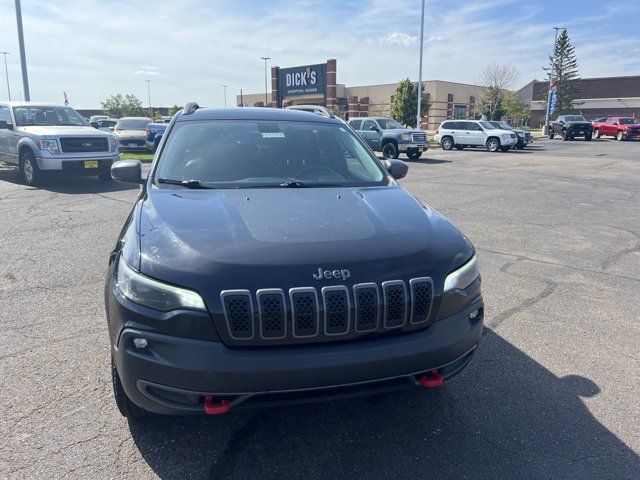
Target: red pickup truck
[{"x": 622, "y": 128}]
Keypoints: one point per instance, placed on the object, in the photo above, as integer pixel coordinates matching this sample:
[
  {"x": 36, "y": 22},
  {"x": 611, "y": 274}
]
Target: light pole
[
  {"x": 225, "y": 95},
  {"x": 545, "y": 129},
  {"x": 6, "y": 70},
  {"x": 23, "y": 58},
  {"x": 265, "y": 78},
  {"x": 420, "y": 69},
  {"x": 149, "y": 98}
]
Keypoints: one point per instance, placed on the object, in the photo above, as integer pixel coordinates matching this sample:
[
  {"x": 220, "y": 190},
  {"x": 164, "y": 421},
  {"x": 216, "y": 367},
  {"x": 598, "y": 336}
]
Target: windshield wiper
[
  {"x": 292, "y": 183},
  {"x": 185, "y": 183}
]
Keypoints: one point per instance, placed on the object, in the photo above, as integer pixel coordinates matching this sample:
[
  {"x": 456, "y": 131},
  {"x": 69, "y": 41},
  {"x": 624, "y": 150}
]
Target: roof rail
[
  {"x": 189, "y": 108},
  {"x": 317, "y": 109}
]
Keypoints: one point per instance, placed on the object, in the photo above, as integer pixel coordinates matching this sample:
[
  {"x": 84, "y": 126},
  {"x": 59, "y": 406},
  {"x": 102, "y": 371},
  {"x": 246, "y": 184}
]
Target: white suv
[{"x": 472, "y": 133}]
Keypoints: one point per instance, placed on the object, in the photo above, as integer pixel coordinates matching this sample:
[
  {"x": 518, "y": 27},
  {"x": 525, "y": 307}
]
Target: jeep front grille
[
  {"x": 419, "y": 137},
  {"x": 84, "y": 144},
  {"x": 273, "y": 316}
]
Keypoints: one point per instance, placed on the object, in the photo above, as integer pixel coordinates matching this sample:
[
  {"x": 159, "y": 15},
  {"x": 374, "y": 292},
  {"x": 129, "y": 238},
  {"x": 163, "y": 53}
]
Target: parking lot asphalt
[{"x": 552, "y": 392}]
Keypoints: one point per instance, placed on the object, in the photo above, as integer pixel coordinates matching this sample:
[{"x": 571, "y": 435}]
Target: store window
[{"x": 459, "y": 111}]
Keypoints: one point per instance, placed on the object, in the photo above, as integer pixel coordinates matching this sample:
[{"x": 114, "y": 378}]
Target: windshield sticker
[{"x": 272, "y": 134}]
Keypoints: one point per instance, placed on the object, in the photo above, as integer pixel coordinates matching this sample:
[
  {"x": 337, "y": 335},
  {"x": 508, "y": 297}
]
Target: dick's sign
[{"x": 306, "y": 80}]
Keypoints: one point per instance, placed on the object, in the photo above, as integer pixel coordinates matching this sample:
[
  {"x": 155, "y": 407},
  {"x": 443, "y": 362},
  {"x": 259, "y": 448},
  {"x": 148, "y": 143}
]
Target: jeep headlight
[
  {"x": 154, "y": 294},
  {"x": 462, "y": 277},
  {"x": 406, "y": 137},
  {"x": 51, "y": 145},
  {"x": 112, "y": 144}
]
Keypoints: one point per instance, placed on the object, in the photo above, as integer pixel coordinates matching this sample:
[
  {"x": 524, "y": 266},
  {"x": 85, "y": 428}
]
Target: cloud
[
  {"x": 146, "y": 72},
  {"x": 400, "y": 39}
]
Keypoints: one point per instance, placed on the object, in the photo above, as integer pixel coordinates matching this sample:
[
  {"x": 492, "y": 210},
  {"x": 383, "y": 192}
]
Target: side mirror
[
  {"x": 615, "y": 123},
  {"x": 397, "y": 168},
  {"x": 127, "y": 171},
  {"x": 4, "y": 125},
  {"x": 94, "y": 124},
  {"x": 373, "y": 127}
]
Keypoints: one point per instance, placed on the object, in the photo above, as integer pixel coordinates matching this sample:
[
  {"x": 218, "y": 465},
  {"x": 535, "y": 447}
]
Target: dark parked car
[
  {"x": 271, "y": 258},
  {"x": 570, "y": 127},
  {"x": 524, "y": 137}
]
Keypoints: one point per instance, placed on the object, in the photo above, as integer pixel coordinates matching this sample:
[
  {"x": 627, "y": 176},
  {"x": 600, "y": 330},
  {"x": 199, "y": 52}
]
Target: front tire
[
  {"x": 414, "y": 155},
  {"x": 29, "y": 170},
  {"x": 551, "y": 134},
  {"x": 597, "y": 133},
  {"x": 127, "y": 408},
  {"x": 620, "y": 136},
  {"x": 389, "y": 150},
  {"x": 565, "y": 136},
  {"x": 447, "y": 143},
  {"x": 493, "y": 145}
]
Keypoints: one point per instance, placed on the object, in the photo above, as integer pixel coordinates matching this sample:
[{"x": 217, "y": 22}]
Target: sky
[{"x": 190, "y": 48}]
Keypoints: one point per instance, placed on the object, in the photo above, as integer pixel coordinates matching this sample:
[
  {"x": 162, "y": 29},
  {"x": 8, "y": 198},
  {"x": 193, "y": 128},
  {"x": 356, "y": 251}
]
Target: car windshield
[
  {"x": 628, "y": 121},
  {"x": 54, "y": 116},
  {"x": 132, "y": 123},
  {"x": 256, "y": 153},
  {"x": 489, "y": 126},
  {"x": 388, "y": 124},
  {"x": 574, "y": 118}
]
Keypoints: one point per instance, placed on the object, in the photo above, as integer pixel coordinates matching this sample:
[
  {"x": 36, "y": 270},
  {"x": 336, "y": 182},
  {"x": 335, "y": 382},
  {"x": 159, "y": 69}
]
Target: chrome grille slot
[
  {"x": 336, "y": 310},
  {"x": 367, "y": 306},
  {"x": 421, "y": 299},
  {"x": 238, "y": 309},
  {"x": 272, "y": 314},
  {"x": 395, "y": 303},
  {"x": 418, "y": 137},
  {"x": 305, "y": 311}
]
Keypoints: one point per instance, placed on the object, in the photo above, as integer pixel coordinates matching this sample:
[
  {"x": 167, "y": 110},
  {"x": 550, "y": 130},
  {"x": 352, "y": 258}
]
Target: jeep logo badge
[{"x": 329, "y": 274}]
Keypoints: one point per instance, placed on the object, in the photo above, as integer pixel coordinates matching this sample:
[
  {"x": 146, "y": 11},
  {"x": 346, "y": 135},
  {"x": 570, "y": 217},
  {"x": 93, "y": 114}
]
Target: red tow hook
[
  {"x": 213, "y": 408},
  {"x": 431, "y": 380}
]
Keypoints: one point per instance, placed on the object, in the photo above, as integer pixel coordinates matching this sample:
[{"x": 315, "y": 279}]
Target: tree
[
  {"x": 175, "y": 109},
  {"x": 514, "y": 108},
  {"x": 497, "y": 78},
  {"x": 118, "y": 106},
  {"x": 563, "y": 68},
  {"x": 405, "y": 103}
]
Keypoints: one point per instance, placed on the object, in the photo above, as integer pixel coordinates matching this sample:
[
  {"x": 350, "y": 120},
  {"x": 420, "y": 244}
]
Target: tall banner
[{"x": 551, "y": 101}]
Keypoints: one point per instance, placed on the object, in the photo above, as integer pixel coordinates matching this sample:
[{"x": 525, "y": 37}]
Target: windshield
[
  {"x": 574, "y": 118},
  {"x": 489, "y": 126},
  {"x": 503, "y": 125},
  {"x": 132, "y": 123},
  {"x": 55, "y": 116},
  {"x": 628, "y": 121},
  {"x": 388, "y": 124},
  {"x": 256, "y": 153}
]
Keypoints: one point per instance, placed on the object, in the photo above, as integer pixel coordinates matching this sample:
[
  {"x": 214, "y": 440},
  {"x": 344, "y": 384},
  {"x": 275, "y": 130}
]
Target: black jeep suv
[{"x": 271, "y": 258}]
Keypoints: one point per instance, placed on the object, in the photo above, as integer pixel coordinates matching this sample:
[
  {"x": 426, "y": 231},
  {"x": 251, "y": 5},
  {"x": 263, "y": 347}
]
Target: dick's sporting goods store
[{"x": 317, "y": 84}]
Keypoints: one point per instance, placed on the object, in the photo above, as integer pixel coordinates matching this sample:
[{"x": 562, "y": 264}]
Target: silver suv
[{"x": 42, "y": 138}]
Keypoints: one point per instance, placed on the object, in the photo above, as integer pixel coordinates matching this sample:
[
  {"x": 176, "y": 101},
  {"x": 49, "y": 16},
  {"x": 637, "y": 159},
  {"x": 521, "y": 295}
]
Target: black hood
[{"x": 212, "y": 240}]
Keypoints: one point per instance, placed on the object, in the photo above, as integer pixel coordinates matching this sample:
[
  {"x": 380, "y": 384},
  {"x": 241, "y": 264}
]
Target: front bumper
[
  {"x": 76, "y": 164},
  {"x": 413, "y": 147},
  {"x": 173, "y": 375}
]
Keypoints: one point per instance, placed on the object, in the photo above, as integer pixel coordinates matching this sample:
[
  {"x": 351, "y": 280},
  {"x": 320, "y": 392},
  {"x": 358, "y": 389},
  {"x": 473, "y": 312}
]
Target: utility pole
[
  {"x": 420, "y": 69},
  {"x": 265, "y": 79},
  {"x": 545, "y": 129},
  {"x": 149, "y": 98},
  {"x": 23, "y": 58},
  {"x": 225, "y": 95},
  {"x": 6, "y": 70}
]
